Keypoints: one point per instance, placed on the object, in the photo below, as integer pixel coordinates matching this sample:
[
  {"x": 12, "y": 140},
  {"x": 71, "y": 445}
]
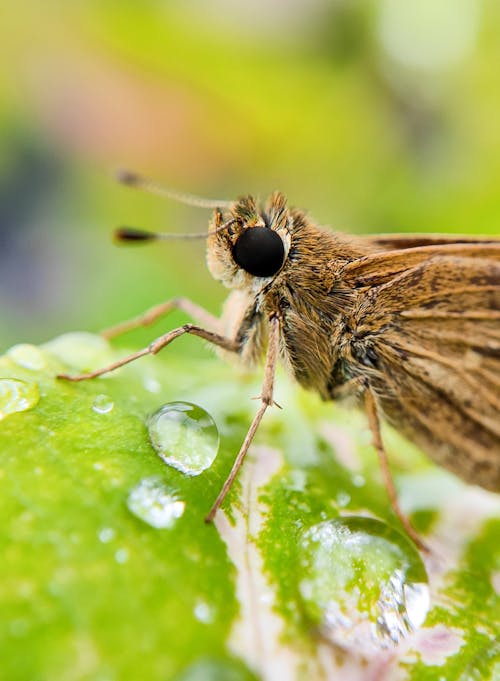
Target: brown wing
[
  {"x": 435, "y": 332},
  {"x": 390, "y": 242},
  {"x": 381, "y": 267}
]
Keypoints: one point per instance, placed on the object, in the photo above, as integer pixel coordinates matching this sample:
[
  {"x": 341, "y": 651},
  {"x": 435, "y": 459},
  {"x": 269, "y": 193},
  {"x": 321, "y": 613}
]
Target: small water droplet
[
  {"x": 204, "y": 612},
  {"x": 152, "y": 385},
  {"x": 185, "y": 436},
  {"x": 343, "y": 498},
  {"x": 27, "y": 356},
  {"x": 106, "y": 534},
  {"x": 364, "y": 584},
  {"x": 155, "y": 503},
  {"x": 358, "y": 480},
  {"x": 121, "y": 556},
  {"x": 102, "y": 404},
  {"x": 16, "y": 395}
]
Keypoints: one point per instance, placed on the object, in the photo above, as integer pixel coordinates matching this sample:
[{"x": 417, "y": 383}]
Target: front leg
[
  {"x": 267, "y": 401},
  {"x": 159, "y": 344}
]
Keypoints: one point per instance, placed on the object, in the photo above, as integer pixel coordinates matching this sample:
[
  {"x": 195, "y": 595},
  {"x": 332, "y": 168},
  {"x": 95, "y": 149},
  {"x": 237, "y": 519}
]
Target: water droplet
[
  {"x": 16, "y": 395},
  {"x": 364, "y": 584},
  {"x": 121, "y": 556},
  {"x": 106, "y": 534},
  {"x": 155, "y": 503},
  {"x": 102, "y": 404},
  {"x": 27, "y": 356},
  {"x": 152, "y": 385},
  {"x": 343, "y": 498},
  {"x": 80, "y": 350},
  {"x": 185, "y": 436},
  {"x": 204, "y": 612}
]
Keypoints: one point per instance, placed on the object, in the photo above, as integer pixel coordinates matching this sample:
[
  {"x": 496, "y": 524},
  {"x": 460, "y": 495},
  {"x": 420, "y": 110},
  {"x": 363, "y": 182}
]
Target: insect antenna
[
  {"x": 131, "y": 179},
  {"x": 132, "y": 234}
]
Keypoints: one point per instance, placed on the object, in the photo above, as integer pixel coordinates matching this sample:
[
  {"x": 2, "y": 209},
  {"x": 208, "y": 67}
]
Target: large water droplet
[
  {"x": 185, "y": 436},
  {"x": 364, "y": 584},
  {"x": 16, "y": 395},
  {"x": 102, "y": 404},
  {"x": 155, "y": 503},
  {"x": 27, "y": 356}
]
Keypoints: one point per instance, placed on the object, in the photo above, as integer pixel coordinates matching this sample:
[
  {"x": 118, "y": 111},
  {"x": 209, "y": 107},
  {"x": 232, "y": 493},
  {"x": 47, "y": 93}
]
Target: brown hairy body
[{"x": 419, "y": 324}]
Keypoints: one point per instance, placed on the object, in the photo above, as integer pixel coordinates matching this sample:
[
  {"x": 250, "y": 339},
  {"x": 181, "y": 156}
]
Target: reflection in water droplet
[
  {"x": 16, "y": 395},
  {"x": 155, "y": 503},
  {"x": 27, "y": 356},
  {"x": 364, "y": 583},
  {"x": 185, "y": 436},
  {"x": 102, "y": 404}
]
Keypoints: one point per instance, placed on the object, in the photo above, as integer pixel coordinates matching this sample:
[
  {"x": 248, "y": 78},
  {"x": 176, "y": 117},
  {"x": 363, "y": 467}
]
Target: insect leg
[
  {"x": 267, "y": 401},
  {"x": 198, "y": 313},
  {"x": 159, "y": 344},
  {"x": 374, "y": 422}
]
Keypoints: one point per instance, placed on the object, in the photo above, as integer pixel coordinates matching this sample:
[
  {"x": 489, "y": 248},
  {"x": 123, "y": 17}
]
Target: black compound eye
[{"x": 259, "y": 251}]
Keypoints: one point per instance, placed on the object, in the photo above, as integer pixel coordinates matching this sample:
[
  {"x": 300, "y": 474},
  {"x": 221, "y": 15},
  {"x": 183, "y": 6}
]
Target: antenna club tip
[
  {"x": 124, "y": 234},
  {"x": 127, "y": 177}
]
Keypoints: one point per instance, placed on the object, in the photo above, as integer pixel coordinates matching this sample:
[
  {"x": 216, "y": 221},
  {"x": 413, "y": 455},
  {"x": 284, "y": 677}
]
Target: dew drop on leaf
[
  {"x": 204, "y": 612},
  {"x": 27, "y": 356},
  {"x": 362, "y": 583},
  {"x": 121, "y": 556},
  {"x": 102, "y": 404},
  {"x": 185, "y": 436},
  {"x": 155, "y": 503},
  {"x": 80, "y": 350},
  {"x": 16, "y": 395},
  {"x": 106, "y": 534}
]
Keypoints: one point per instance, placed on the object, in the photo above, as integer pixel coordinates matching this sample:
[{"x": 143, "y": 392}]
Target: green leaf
[{"x": 89, "y": 590}]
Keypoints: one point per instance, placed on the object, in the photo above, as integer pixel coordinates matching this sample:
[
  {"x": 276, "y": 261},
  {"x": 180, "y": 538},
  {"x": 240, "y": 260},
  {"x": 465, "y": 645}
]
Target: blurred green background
[{"x": 373, "y": 115}]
